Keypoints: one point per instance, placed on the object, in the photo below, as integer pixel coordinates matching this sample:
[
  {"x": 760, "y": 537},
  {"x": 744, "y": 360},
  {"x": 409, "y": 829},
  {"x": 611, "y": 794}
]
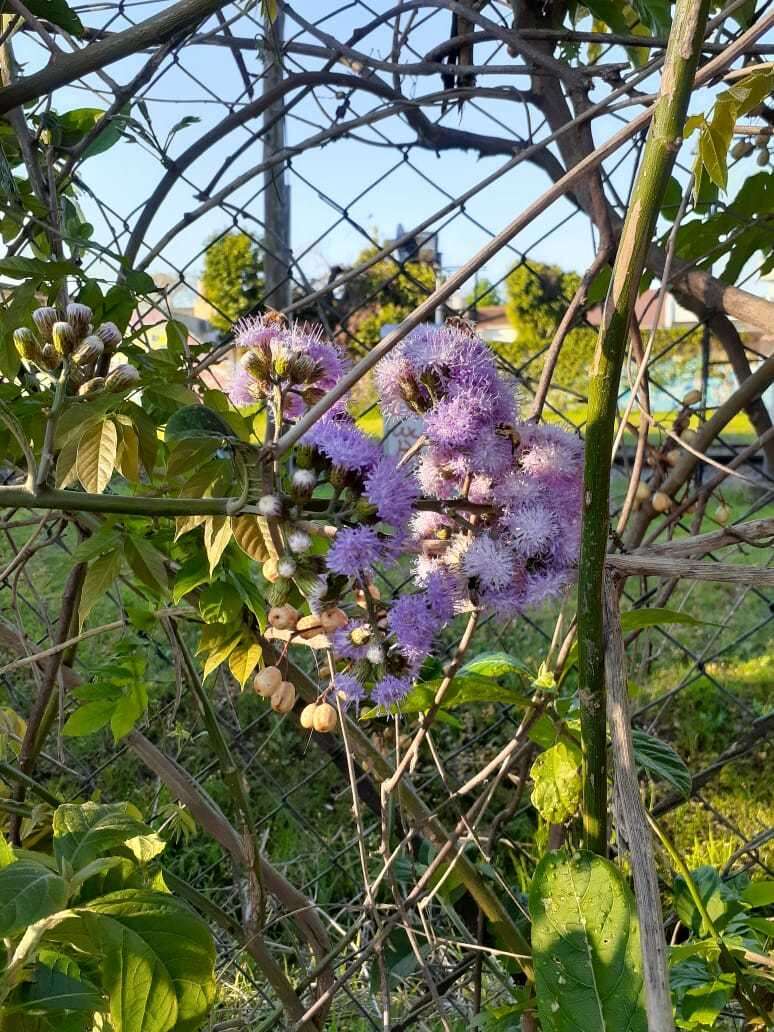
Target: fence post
[{"x": 276, "y": 192}]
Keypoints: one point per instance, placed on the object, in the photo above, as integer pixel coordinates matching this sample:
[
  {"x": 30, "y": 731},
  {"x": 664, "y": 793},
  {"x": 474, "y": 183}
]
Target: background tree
[
  {"x": 232, "y": 282},
  {"x": 483, "y": 293}
]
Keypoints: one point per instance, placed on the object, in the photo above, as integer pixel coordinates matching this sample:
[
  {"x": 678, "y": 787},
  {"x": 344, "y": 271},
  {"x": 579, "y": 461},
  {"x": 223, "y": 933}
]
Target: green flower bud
[
  {"x": 27, "y": 345},
  {"x": 79, "y": 317},
  {"x": 88, "y": 351},
  {"x": 257, "y": 364},
  {"x": 51, "y": 357},
  {"x": 93, "y": 386},
  {"x": 63, "y": 337}
]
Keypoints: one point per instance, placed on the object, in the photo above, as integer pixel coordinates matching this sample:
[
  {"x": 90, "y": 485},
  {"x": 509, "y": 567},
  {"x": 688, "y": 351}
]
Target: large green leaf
[
  {"x": 83, "y": 832},
  {"x": 28, "y": 891},
  {"x": 58, "y": 13},
  {"x": 556, "y": 782},
  {"x": 661, "y": 761},
  {"x": 495, "y": 664},
  {"x": 156, "y": 959},
  {"x": 585, "y": 946},
  {"x": 197, "y": 421},
  {"x": 464, "y": 689},
  {"x": 53, "y": 988}
]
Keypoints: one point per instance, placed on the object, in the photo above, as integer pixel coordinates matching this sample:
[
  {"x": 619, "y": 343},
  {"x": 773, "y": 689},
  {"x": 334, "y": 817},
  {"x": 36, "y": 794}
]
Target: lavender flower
[
  {"x": 340, "y": 441},
  {"x": 532, "y": 529},
  {"x": 352, "y": 642},
  {"x": 349, "y": 690},
  {"x": 392, "y": 491},
  {"x": 390, "y": 689},
  {"x": 490, "y": 562},
  {"x": 356, "y": 550}
]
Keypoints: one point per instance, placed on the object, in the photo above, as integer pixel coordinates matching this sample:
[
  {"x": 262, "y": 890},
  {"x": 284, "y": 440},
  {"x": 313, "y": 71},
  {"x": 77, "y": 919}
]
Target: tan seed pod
[
  {"x": 722, "y": 514},
  {"x": 122, "y": 378},
  {"x": 309, "y": 626},
  {"x": 691, "y": 398},
  {"x": 284, "y": 699},
  {"x": 267, "y": 681},
  {"x": 44, "y": 319},
  {"x": 93, "y": 386},
  {"x": 643, "y": 491},
  {"x": 283, "y": 618},
  {"x": 763, "y": 157},
  {"x": 325, "y": 718},
  {"x": 661, "y": 502},
  {"x": 307, "y": 716},
  {"x": 688, "y": 436},
  {"x": 671, "y": 458},
  {"x": 88, "y": 351},
  {"x": 63, "y": 337},
  {"x": 333, "y": 619}
]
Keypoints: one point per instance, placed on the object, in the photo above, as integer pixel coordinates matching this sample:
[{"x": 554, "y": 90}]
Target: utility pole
[{"x": 276, "y": 193}]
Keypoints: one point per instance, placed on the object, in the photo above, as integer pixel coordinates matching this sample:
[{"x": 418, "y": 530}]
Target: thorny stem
[{"x": 659, "y": 155}]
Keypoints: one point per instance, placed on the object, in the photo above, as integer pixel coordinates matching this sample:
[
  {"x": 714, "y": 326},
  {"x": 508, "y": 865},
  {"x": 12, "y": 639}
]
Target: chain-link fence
[{"x": 361, "y": 154}]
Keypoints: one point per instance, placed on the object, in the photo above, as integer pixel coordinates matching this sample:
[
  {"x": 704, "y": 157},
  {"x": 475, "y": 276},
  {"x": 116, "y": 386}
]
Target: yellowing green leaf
[
  {"x": 243, "y": 661},
  {"x": 96, "y": 456},
  {"x": 66, "y": 471},
  {"x": 129, "y": 455},
  {"x": 556, "y": 782},
  {"x": 247, "y": 534},
  {"x": 217, "y": 534}
]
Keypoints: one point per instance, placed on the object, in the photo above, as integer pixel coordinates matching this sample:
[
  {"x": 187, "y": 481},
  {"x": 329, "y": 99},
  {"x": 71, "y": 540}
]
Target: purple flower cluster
[{"x": 524, "y": 550}]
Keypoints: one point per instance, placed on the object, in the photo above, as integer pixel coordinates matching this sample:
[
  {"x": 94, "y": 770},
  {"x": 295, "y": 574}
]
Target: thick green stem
[{"x": 661, "y": 147}]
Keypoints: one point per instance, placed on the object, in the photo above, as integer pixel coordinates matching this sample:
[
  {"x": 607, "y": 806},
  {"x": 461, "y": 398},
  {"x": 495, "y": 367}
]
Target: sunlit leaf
[{"x": 96, "y": 456}]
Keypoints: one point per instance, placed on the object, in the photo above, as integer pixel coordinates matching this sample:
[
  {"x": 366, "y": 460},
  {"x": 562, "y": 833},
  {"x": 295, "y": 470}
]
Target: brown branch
[
  {"x": 643, "y": 565},
  {"x": 68, "y": 67},
  {"x": 637, "y": 834}
]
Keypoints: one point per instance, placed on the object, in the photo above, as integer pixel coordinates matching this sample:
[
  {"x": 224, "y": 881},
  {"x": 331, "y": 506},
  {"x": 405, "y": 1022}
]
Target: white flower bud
[
  {"x": 375, "y": 655},
  {"x": 79, "y": 317},
  {"x": 286, "y": 567},
  {"x": 304, "y": 481},
  {"x": 299, "y": 541},
  {"x": 269, "y": 505},
  {"x": 109, "y": 334}
]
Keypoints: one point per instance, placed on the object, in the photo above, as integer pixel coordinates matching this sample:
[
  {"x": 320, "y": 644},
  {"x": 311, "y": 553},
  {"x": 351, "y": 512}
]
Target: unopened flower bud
[
  {"x": 51, "y": 357},
  {"x": 324, "y": 718},
  {"x": 312, "y": 395},
  {"x": 27, "y": 345},
  {"x": 257, "y": 364},
  {"x": 302, "y": 368},
  {"x": 109, "y": 334},
  {"x": 44, "y": 319},
  {"x": 79, "y": 317},
  {"x": 122, "y": 378},
  {"x": 299, "y": 541},
  {"x": 304, "y": 482},
  {"x": 375, "y": 655},
  {"x": 88, "y": 351},
  {"x": 93, "y": 386},
  {"x": 64, "y": 337},
  {"x": 269, "y": 505},
  {"x": 286, "y": 567},
  {"x": 284, "y": 699},
  {"x": 304, "y": 456}
]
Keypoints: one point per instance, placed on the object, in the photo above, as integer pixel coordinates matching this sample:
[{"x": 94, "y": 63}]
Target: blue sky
[{"x": 343, "y": 186}]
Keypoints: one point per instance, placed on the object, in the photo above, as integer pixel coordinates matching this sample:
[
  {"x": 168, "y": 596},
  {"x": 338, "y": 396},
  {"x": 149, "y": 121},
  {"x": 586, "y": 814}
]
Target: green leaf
[
  {"x": 197, "y": 421},
  {"x": 76, "y": 124},
  {"x": 99, "y": 577},
  {"x": 6, "y": 852},
  {"x": 720, "y": 898},
  {"x": 661, "y": 761},
  {"x": 90, "y": 717},
  {"x": 759, "y": 893},
  {"x": 586, "y": 948},
  {"x": 656, "y": 14},
  {"x": 58, "y": 13},
  {"x": 464, "y": 689},
  {"x": 495, "y": 664},
  {"x": 556, "y": 777},
  {"x": 609, "y": 12},
  {"x": 36, "y": 269},
  {"x": 50, "y": 989},
  {"x": 83, "y": 832},
  {"x": 29, "y": 891},
  {"x": 700, "y": 993},
  {"x": 128, "y": 710},
  {"x": 220, "y": 603},
  {"x": 156, "y": 959},
  {"x": 147, "y": 564},
  {"x": 191, "y": 575}
]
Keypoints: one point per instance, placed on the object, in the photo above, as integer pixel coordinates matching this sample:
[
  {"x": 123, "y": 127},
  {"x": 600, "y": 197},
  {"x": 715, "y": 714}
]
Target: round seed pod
[
  {"x": 325, "y": 719},
  {"x": 63, "y": 337},
  {"x": 44, "y": 319},
  {"x": 267, "y": 681},
  {"x": 309, "y": 626},
  {"x": 688, "y": 435},
  {"x": 671, "y": 458},
  {"x": 763, "y": 157},
  {"x": 333, "y": 620},
  {"x": 643, "y": 491},
  {"x": 283, "y": 618},
  {"x": 122, "y": 378},
  {"x": 93, "y": 386},
  {"x": 741, "y": 149},
  {"x": 284, "y": 699},
  {"x": 307, "y": 716},
  {"x": 109, "y": 334},
  {"x": 661, "y": 502},
  {"x": 88, "y": 351},
  {"x": 691, "y": 398},
  {"x": 722, "y": 514}
]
